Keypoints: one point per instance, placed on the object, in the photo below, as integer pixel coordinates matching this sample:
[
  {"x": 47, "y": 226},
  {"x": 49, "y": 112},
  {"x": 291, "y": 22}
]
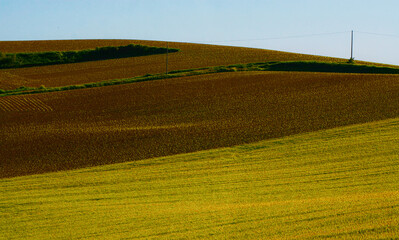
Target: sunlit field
[
  {"x": 332, "y": 184},
  {"x": 67, "y": 130}
]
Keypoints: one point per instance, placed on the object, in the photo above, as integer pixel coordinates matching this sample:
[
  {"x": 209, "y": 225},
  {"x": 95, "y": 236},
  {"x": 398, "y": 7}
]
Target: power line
[
  {"x": 303, "y": 36},
  {"x": 278, "y": 38},
  {"x": 380, "y": 34}
]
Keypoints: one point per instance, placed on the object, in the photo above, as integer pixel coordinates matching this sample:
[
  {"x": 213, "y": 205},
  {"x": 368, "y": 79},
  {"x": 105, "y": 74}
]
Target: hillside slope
[
  {"x": 333, "y": 184},
  {"x": 189, "y": 56},
  {"x": 66, "y": 130}
]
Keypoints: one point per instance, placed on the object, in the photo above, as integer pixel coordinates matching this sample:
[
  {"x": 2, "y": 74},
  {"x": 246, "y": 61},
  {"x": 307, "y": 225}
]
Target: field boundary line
[{"x": 284, "y": 66}]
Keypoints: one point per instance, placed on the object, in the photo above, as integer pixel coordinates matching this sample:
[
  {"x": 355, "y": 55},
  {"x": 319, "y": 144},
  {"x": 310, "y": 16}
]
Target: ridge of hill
[
  {"x": 190, "y": 56},
  {"x": 340, "y": 183}
]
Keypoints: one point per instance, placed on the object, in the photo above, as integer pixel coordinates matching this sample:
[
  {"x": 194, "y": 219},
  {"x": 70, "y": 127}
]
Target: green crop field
[{"x": 340, "y": 183}]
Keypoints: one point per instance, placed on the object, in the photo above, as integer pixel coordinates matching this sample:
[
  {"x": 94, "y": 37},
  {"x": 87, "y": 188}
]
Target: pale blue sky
[{"x": 269, "y": 22}]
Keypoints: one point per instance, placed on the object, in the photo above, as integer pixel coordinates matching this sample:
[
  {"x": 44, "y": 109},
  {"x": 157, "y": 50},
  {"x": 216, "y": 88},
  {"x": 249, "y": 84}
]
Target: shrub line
[{"x": 19, "y": 60}]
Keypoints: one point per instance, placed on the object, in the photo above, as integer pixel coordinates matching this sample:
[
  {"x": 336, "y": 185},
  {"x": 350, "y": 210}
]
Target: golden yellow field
[{"x": 332, "y": 184}]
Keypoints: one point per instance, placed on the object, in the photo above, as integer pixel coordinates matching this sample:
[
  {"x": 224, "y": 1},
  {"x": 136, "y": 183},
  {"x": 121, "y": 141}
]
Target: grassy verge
[
  {"x": 16, "y": 60},
  {"x": 334, "y": 184},
  {"x": 303, "y": 66}
]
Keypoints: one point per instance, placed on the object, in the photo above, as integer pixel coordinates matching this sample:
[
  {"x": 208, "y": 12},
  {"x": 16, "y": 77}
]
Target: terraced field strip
[
  {"x": 332, "y": 184},
  {"x": 271, "y": 66},
  {"x": 23, "y": 103}
]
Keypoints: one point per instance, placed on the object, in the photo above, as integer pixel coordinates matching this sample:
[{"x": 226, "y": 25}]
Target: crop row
[{"x": 18, "y": 104}]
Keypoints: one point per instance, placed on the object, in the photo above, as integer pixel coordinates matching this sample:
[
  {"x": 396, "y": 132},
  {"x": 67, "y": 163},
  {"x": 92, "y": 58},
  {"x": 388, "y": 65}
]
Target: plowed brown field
[
  {"x": 142, "y": 120},
  {"x": 190, "y": 56}
]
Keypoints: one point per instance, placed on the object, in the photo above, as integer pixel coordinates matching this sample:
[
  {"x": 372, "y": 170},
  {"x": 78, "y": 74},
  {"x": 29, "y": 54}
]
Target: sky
[{"x": 319, "y": 27}]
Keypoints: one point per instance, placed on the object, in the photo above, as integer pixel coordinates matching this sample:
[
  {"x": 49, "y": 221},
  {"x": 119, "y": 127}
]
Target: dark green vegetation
[
  {"x": 297, "y": 66},
  {"x": 304, "y": 66},
  {"x": 16, "y": 60}
]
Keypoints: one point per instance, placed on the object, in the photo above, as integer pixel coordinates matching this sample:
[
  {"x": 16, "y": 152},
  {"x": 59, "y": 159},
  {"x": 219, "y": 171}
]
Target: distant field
[
  {"x": 190, "y": 56},
  {"x": 158, "y": 118},
  {"x": 285, "y": 66},
  {"x": 332, "y": 184}
]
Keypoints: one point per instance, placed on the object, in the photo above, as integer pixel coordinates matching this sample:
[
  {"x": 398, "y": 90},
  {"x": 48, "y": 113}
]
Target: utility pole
[
  {"x": 351, "y": 45},
  {"x": 167, "y": 53}
]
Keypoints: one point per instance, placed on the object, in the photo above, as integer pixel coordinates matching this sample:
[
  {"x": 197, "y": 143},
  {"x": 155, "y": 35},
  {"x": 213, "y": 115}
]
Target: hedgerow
[{"x": 16, "y": 60}]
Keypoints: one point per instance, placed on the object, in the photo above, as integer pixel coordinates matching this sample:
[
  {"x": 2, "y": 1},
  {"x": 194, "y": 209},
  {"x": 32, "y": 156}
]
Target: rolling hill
[
  {"x": 228, "y": 155},
  {"x": 189, "y": 56}
]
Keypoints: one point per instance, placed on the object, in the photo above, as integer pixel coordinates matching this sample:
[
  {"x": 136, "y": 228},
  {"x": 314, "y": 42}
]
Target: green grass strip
[{"x": 302, "y": 66}]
